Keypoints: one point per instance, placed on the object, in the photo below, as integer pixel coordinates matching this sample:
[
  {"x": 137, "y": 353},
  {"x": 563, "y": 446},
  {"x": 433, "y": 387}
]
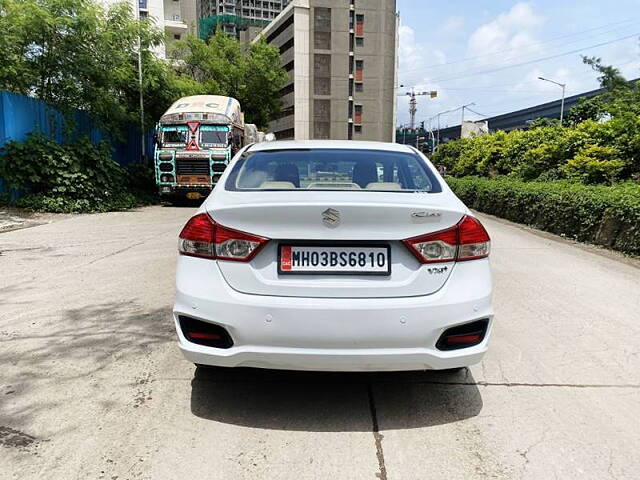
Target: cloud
[
  {"x": 408, "y": 52},
  {"x": 412, "y": 55},
  {"x": 451, "y": 25},
  {"x": 514, "y": 29}
]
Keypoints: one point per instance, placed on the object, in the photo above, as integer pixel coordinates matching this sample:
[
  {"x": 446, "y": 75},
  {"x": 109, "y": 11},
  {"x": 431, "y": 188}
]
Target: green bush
[
  {"x": 73, "y": 177},
  {"x": 590, "y": 152},
  {"x": 607, "y": 216},
  {"x": 594, "y": 164}
]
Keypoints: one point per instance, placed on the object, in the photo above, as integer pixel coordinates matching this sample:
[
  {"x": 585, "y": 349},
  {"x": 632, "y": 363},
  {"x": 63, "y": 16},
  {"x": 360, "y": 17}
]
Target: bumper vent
[
  {"x": 463, "y": 336},
  {"x": 203, "y": 333}
]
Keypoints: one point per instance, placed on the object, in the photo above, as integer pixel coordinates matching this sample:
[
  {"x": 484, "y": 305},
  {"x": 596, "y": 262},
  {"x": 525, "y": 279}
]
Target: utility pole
[
  {"x": 564, "y": 86},
  {"x": 462, "y": 121},
  {"x": 142, "y": 135},
  {"x": 463, "y": 107}
]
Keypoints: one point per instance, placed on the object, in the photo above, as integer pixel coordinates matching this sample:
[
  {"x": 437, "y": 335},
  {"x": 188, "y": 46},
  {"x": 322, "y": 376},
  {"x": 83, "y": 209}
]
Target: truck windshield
[
  {"x": 174, "y": 135},
  {"x": 213, "y": 136},
  {"x": 332, "y": 169}
]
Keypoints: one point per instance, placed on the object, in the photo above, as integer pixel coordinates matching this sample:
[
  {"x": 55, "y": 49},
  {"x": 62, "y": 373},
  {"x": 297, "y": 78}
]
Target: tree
[
  {"x": 610, "y": 77},
  {"x": 620, "y": 97},
  {"x": 75, "y": 55},
  {"x": 222, "y": 66}
]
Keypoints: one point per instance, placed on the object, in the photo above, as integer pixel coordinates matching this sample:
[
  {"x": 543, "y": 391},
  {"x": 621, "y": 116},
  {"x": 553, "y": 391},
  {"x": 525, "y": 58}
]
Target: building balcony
[{"x": 174, "y": 25}]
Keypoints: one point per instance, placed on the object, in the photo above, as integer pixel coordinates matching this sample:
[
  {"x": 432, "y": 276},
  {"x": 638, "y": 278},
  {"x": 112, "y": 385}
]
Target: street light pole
[
  {"x": 563, "y": 86},
  {"x": 142, "y": 136},
  {"x": 437, "y": 115}
]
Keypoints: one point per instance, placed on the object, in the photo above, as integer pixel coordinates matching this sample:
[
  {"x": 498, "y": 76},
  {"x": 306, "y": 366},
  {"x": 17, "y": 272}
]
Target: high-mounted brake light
[
  {"x": 468, "y": 240},
  {"x": 202, "y": 237}
]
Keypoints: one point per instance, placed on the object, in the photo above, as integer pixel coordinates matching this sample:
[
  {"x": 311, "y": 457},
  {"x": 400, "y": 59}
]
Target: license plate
[
  {"x": 194, "y": 195},
  {"x": 194, "y": 179},
  {"x": 334, "y": 259}
]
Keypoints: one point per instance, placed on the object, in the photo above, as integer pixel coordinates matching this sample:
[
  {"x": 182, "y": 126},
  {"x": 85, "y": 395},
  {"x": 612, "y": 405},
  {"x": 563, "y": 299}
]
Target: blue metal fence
[{"x": 21, "y": 115}]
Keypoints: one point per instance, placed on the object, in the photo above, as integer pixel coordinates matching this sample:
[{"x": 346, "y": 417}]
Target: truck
[{"x": 195, "y": 140}]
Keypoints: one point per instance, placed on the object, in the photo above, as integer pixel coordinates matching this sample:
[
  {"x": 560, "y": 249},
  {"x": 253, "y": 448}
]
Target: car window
[{"x": 332, "y": 169}]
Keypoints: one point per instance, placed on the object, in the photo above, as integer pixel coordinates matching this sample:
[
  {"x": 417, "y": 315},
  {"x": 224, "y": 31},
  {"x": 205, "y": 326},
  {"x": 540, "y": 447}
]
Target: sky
[{"x": 491, "y": 53}]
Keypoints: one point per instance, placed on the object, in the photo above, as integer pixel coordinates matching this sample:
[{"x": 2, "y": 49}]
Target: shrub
[
  {"x": 73, "y": 177},
  {"x": 607, "y": 216},
  {"x": 594, "y": 164},
  {"x": 590, "y": 152}
]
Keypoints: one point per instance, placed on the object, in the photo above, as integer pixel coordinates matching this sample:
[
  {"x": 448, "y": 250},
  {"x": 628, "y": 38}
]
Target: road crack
[
  {"x": 533, "y": 385},
  {"x": 377, "y": 436}
]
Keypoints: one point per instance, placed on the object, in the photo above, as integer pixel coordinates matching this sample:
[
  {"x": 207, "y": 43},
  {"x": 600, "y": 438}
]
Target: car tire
[{"x": 452, "y": 371}]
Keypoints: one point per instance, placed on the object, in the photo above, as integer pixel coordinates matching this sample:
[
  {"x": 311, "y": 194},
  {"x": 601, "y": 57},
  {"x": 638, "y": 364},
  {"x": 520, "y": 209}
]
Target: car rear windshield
[{"x": 332, "y": 169}]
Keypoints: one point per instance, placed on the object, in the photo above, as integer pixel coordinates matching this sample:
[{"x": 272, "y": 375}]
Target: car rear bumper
[{"x": 343, "y": 334}]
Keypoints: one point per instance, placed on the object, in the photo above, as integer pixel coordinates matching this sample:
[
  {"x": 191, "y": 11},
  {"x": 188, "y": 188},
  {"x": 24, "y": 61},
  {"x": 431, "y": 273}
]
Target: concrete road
[{"x": 93, "y": 386}]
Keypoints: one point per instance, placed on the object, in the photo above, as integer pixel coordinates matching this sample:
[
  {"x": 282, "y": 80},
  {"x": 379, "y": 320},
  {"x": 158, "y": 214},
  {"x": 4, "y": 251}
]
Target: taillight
[
  {"x": 202, "y": 237},
  {"x": 238, "y": 246},
  {"x": 468, "y": 240},
  {"x": 474, "y": 241},
  {"x": 197, "y": 237}
]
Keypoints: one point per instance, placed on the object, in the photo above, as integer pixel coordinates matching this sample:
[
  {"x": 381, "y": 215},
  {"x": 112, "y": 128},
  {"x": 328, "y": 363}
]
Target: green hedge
[
  {"x": 77, "y": 176},
  {"x": 607, "y": 216}
]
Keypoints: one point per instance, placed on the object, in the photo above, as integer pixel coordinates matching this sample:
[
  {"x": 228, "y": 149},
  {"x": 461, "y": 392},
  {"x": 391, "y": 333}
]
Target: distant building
[
  {"x": 341, "y": 60},
  {"x": 236, "y": 16},
  {"x": 176, "y": 17}
]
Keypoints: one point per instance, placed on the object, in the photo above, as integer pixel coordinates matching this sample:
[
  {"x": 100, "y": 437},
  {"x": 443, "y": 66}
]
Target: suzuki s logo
[{"x": 331, "y": 217}]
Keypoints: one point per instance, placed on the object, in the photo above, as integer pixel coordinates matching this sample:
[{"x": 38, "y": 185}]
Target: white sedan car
[{"x": 336, "y": 256}]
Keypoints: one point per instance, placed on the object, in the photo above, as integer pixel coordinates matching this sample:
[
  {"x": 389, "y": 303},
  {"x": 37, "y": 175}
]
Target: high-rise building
[
  {"x": 235, "y": 16},
  {"x": 176, "y": 17},
  {"x": 341, "y": 60}
]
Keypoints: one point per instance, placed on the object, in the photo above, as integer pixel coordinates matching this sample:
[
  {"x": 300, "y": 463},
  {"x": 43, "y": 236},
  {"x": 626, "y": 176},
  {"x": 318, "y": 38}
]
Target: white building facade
[{"x": 176, "y": 17}]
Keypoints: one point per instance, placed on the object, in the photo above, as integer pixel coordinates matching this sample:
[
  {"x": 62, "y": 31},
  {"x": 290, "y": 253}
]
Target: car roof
[{"x": 318, "y": 144}]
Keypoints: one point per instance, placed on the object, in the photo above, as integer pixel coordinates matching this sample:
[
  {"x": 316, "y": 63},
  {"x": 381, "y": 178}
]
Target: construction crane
[{"x": 413, "y": 104}]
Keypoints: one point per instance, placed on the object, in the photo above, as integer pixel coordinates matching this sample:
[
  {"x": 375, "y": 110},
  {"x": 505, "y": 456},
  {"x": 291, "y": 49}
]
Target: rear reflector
[
  {"x": 204, "y": 333},
  {"x": 204, "y": 336},
  {"x": 202, "y": 237},
  {"x": 463, "y": 336},
  {"x": 458, "y": 339},
  {"x": 468, "y": 240}
]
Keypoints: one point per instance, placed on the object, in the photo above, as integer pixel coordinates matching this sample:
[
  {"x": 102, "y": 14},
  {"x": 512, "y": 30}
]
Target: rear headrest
[
  {"x": 365, "y": 173},
  {"x": 278, "y": 185},
  {"x": 287, "y": 172},
  {"x": 384, "y": 186}
]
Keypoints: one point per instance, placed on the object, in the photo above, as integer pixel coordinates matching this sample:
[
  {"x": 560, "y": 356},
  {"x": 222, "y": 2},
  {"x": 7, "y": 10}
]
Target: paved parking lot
[{"x": 92, "y": 384}]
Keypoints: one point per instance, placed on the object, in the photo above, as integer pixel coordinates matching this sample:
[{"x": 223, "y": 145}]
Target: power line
[
  {"x": 550, "y": 57},
  {"x": 477, "y": 113},
  {"x": 552, "y": 40}
]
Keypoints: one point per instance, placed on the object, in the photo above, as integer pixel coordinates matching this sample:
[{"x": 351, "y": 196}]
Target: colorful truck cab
[{"x": 196, "y": 138}]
